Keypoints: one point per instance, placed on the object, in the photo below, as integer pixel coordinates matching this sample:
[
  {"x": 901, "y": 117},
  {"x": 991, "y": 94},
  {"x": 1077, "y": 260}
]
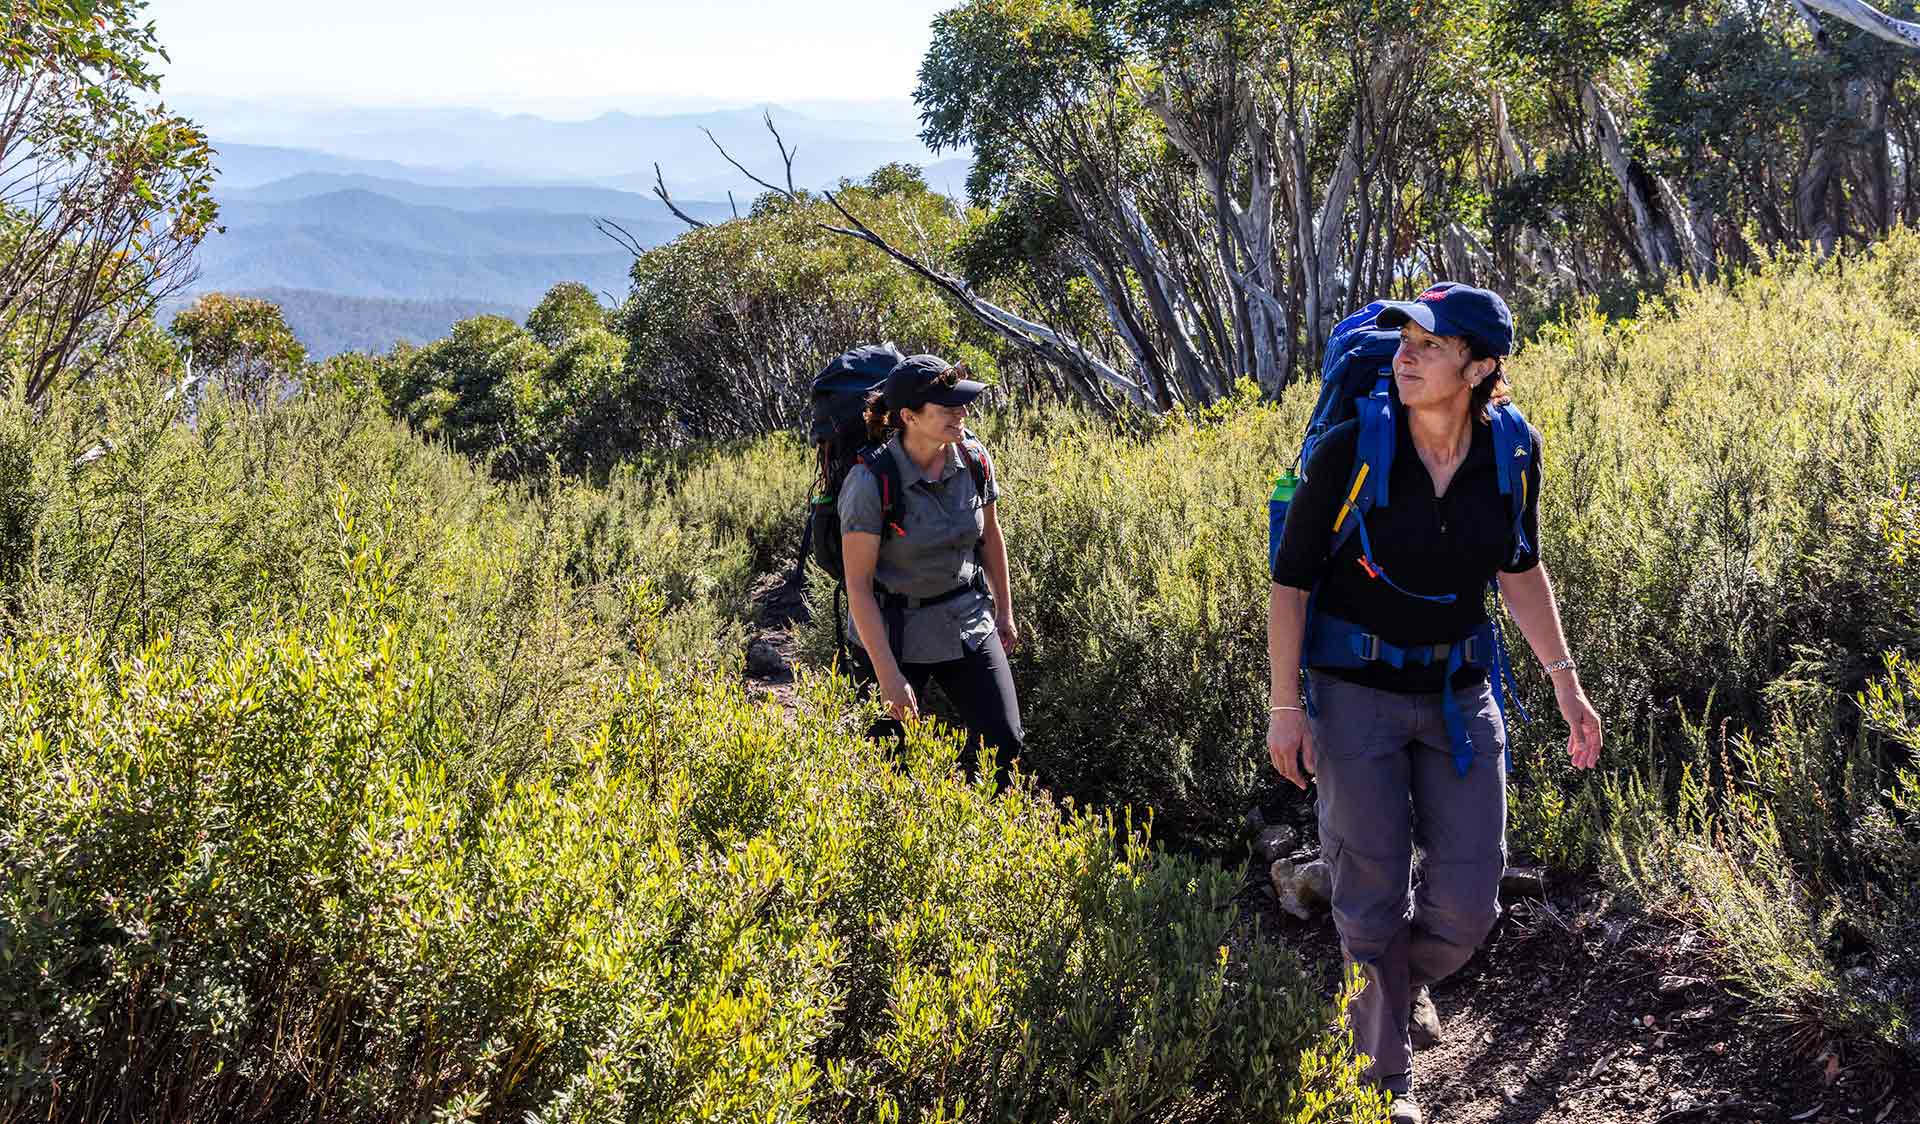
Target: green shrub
[
  {"x": 1729, "y": 512},
  {"x": 1805, "y": 892},
  {"x": 243, "y": 882},
  {"x": 323, "y": 505}
]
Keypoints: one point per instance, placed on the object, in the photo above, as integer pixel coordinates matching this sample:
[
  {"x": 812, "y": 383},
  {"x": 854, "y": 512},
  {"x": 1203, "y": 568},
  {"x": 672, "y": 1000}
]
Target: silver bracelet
[
  {"x": 1295, "y": 709},
  {"x": 1561, "y": 665}
]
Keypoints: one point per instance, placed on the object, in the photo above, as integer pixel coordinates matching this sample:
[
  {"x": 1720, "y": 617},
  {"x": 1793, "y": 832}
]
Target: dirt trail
[
  {"x": 771, "y": 645},
  {"x": 1579, "y": 1009}
]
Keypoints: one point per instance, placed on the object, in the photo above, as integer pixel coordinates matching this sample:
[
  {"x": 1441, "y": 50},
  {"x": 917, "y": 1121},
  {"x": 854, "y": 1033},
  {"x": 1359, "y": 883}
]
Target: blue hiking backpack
[{"x": 1356, "y": 381}]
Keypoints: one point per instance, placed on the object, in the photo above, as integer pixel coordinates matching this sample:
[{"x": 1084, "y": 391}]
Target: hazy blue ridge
[
  {"x": 340, "y": 261},
  {"x": 385, "y": 219},
  {"x": 412, "y": 218},
  {"x": 261, "y": 142},
  {"x": 552, "y": 198},
  {"x": 243, "y": 166}
]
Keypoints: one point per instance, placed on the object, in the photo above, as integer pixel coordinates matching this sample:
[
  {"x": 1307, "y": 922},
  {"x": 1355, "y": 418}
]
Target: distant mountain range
[
  {"x": 395, "y": 219},
  {"x": 549, "y": 198},
  {"x": 613, "y": 149},
  {"x": 246, "y": 166}
]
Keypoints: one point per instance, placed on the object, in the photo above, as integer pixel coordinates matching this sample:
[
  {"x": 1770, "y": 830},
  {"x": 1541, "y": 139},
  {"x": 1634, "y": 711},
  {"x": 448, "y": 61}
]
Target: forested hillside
[{"x": 376, "y": 737}]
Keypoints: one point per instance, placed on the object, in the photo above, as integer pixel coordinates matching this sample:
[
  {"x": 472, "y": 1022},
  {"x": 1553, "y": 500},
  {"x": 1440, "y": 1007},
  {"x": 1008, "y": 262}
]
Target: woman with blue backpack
[{"x": 1404, "y": 516}]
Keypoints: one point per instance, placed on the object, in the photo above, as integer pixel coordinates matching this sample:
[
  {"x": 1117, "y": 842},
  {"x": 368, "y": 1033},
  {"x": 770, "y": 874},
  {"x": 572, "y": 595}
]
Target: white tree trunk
[
  {"x": 1649, "y": 239},
  {"x": 1867, "y": 18}
]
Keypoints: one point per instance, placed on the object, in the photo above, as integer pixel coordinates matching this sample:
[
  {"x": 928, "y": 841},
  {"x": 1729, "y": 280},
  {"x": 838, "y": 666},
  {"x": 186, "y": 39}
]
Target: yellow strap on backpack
[{"x": 1359, "y": 481}]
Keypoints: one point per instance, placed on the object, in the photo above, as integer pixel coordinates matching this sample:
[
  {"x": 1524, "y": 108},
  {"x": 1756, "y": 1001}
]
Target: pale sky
[{"x": 494, "y": 53}]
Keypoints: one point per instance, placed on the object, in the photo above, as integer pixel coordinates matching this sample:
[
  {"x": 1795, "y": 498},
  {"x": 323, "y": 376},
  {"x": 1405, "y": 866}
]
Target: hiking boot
[
  {"x": 1423, "y": 1022},
  {"x": 1404, "y": 1110}
]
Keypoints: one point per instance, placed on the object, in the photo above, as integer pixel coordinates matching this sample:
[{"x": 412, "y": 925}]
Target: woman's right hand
[
  {"x": 898, "y": 694},
  {"x": 1290, "y": 745}
]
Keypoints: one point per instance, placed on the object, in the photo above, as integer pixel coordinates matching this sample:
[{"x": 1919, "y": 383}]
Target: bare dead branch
[
  {"x": 787, "y": 191},
  {"x": 786, "y": 154},
  {"x": 660, "y": 189},
  {"x": 1039, "y": 339},
  {"x": 621, "y": 236}
]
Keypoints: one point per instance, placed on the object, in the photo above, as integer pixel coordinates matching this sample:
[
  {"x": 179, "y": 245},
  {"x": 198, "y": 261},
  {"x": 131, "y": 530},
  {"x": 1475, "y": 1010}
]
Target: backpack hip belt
[
  {"x": 1340, "y": 643},
  {"x": 1336, "y": 643},
  {"x": 894, "y": 606},
  {"x": 978, "y": 584}
]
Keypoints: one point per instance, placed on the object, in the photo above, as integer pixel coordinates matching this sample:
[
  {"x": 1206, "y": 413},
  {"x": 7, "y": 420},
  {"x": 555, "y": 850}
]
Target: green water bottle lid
[{"x": 1284, "y": 486}]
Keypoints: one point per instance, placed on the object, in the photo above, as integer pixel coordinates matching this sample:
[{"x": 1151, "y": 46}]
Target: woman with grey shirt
[{"x": 928, "y": 597}]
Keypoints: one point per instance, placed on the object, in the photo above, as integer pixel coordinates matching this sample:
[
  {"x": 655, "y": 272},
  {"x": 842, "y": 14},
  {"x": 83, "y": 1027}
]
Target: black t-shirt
[{"x": 1428, "y": 544}]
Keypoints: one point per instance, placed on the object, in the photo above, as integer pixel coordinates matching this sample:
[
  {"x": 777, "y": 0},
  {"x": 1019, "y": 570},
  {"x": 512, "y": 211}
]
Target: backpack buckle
[{"x": 1366, "y": 645}]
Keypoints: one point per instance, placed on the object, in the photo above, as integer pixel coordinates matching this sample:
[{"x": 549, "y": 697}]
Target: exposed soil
[
  {"x": 771, "y": 644},
  {"x": 1580, "y": 1009}
]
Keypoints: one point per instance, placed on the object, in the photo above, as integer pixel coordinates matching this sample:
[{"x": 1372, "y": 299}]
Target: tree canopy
[{"x": 104, "y": 194}]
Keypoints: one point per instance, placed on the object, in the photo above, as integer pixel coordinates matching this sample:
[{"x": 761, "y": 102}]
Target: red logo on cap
[{"x": 1434, "y": 295}]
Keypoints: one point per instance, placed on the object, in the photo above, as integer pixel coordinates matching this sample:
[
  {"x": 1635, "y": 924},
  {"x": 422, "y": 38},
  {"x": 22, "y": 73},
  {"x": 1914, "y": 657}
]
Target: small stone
[
  {"x": 1423, "y": 1023},
  {"x": 763, "y": 659},
  {"x": 1523, "y": 882},
  {"x": 1304, "y": 888},
  {"x": 1671, "y": 984},
  {"x": 1275, "y": 842},
  {"x": 1316, "y": 883}
]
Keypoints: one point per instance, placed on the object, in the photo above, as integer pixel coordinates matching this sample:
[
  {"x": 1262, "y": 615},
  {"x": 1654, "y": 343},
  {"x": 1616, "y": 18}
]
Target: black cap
[
  {"x": 915, "y": 381},
  {"x": 1453, "y": 309}
]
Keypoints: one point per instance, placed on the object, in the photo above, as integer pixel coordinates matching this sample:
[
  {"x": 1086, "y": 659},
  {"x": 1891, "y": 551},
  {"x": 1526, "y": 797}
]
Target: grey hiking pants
[{"x": 1386, "y": 781}]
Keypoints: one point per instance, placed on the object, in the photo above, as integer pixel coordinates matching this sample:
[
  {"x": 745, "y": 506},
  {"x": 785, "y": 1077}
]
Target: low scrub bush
[
  {"x": 241, "y": 882},
  {"x": 1728, "y": 508},
  {"x": 124, "y": 524},
  {"x": 1798, "y": 858}
]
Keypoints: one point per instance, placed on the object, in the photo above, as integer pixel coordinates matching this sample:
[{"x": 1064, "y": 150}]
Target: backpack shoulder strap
[
  {"x": 886, "y": 470},
  {"x": 974, "y": 452},
  {"x": 1513, "y": 457},
  {"x": 1372, "y": 462}
]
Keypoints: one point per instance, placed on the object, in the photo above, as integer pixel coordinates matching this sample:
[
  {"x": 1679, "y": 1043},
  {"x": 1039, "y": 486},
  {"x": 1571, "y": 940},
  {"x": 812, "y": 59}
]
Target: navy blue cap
[
  {"x": 1453, "y": 309},
  {"x": 916, "y": 381}
]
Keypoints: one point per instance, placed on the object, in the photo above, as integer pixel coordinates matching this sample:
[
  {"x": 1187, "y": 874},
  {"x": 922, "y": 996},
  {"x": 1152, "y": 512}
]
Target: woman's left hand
[
  {"x": 1583, "y": 723},
  {"x": 1009, "y": 632}
]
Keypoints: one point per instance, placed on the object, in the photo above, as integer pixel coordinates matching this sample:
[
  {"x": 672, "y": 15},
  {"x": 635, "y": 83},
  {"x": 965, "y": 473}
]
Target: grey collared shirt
[{"x": 943, "y": 519}]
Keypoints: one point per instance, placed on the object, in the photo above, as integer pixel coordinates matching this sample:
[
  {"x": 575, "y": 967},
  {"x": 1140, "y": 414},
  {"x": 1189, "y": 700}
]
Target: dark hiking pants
[
  {"x": 980, "y": 686},
  {"x": 1386, "y": 781}
]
